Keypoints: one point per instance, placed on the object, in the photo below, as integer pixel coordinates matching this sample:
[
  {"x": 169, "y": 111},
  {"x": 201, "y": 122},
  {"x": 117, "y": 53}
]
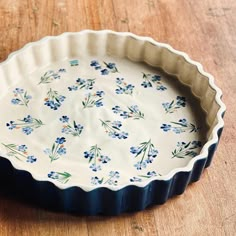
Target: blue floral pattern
[
  {"x": 93, "y": 99},
  {"x": 113, "y": 129},
  {"x": 19, "y": 152},
  {"x": 184, "y": 149},
  {"x": 151, "y": 80},
  {"x": 54, "y": 99},
  {"x": 50, "y": 76},
  {"x": 171, "y": 107},
  {"x": 123, "y": 87},
  {"x": 82, "y": 84},
  {"x": 27, "y": 124},
  {"x": 105, "y": 68},
  {"x": 133, "y": 112},
  {"x": 112, "y": 179},
  {"x": 74, "y": 129},
  {"x": 62, "y": 177},
  {"x": 146, "y": 152},
  {"x": 95, "y": 157},
  {"x": 22, "y": 98},
  {"x": 117, "y": 112},
  {"x": 140, "y": 178},
  {"x": 57, "y": 149},
  {"x": 180, "y": 127}
]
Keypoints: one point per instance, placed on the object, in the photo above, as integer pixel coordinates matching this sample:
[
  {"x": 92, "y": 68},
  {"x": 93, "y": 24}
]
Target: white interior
[{"x": 26, "y": 66}]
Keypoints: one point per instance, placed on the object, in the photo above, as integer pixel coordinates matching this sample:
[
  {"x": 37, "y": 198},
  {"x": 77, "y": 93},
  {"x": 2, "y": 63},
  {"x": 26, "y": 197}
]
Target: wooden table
[{"x": 206, "y": 30}]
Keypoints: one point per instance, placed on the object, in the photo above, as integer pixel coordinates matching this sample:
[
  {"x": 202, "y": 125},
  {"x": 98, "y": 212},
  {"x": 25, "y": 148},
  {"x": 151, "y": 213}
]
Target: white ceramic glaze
[{"x": 106, "y": 109}]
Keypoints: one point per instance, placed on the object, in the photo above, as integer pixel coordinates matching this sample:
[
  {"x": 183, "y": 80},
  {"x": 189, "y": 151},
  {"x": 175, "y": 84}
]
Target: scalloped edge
[{"x": 206, "y": 153}]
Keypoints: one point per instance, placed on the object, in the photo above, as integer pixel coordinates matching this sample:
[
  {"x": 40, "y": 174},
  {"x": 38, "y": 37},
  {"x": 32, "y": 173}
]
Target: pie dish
[{"x": 100, "y": 122}]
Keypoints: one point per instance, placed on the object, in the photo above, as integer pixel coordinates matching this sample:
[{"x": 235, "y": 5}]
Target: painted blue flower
[
  {"x": 94, "y": 63},
  {"x": 149, "y": 159},
  {"x": 64, "y": 119},
  {"x": 104, "y": 159},
  {"x": 78, "y": 127},
  {"x": 152, "y": 153},
  {"x": 104, "y": 72},
  {"x": 119, "y": 91},
  {"x": 31, "y": 159},
  {"x": 125, "y": 114},
  {"x": 135, "y": 179},
  {"x": 151, "y": 173},
  {"x": 130, "y": 87},
  {"x": 100, "y": 93},
  {"x": 27, "y": 130},
  {"x": 146, "y": 84},
  {"x": 140, "y": 165},
  {"x": 196, "y": 144},
  {"x": 183, "y": 121},
  {"x": 95, "y": 180},
  {"x": 53, "y": 175},
  {"x": 22, "y": 148},
  {"x": 119, "y": 80},
  {"x": 89, "y": 155},
  {"x": 73, "y": 88},
  {"x": 60, "y": 140},
  {"x": 116, "y": 109},
  {"x": 98, "y": 104},
  {"x": 166, "y": 105},
  {"x": 80, "y": 81},
  {"x": 161, "y": 88},
  {"x": 181, "y": 101},
  {"x": 61, "y": 98},
  {"x": 177, "y": 130},
  {"x": 156, "y": 78},
  {"x": 123, "y": 135},
  {"x": 62, "y": 70},
  {"x": 53, "y": 105},
  {"x": 15, "y": 101},
  {"x": 28, "y": 119},
  {"x": 61, "y": 151},
  {"x": 95, "y": 167},
  {"x": 166, "y": 127},
  {"x": 111, "y": 65},
  {"x": 11, "y": 125},
  {"x": 18, "y": 91},
  {"x": 116, "y": 124},
  {"x": 135, "y": 150}
]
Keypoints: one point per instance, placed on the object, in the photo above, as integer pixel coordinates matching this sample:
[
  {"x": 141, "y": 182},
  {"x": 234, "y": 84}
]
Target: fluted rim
[{"x": 214, "y": 136}]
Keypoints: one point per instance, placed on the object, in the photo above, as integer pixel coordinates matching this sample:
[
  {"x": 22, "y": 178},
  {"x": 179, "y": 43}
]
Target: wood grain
[{"x": 206, "y": 31}]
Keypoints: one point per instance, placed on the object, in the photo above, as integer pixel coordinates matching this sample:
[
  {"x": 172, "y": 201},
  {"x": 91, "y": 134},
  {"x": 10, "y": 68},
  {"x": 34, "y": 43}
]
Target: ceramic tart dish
[{"x": 99, "y": 122}]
